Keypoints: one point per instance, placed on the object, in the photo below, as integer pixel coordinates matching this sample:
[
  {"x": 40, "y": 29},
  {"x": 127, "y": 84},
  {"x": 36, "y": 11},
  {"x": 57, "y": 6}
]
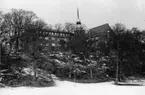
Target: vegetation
[{"x": 29, "y": 59}]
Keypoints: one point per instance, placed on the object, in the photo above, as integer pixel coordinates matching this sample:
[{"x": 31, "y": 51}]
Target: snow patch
[{"x": 71, "y": 88}]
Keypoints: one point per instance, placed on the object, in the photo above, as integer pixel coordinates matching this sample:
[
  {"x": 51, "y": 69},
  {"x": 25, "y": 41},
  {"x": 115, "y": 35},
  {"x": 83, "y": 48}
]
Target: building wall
[{"x": 102, "y": 37}]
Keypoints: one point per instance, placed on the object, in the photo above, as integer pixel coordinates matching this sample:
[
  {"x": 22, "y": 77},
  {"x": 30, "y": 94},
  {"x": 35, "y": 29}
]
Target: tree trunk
[
  {"x": 91, "y": 73},
  {"x": 117, "y": 69},
  {"x": 70, "y": 73},
  {"x": 34, "y": 69},
  {"x": 74, "y": 76}
]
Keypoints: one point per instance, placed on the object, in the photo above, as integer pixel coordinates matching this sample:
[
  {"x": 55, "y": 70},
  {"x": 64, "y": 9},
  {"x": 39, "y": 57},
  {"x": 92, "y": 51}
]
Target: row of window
[{"x": 53, "y": 34}]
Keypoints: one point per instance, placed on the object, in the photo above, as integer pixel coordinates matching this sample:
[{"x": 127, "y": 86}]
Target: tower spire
[
  {"x": 78, "y": 17},
  {"x": 79, "y": 28},
  {"x": 78, "y": 13}
]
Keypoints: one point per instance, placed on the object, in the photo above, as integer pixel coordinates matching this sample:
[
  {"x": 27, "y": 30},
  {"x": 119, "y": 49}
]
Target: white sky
[{"x": 92, "y": 12}]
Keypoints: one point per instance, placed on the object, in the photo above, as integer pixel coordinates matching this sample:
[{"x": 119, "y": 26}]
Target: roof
[{"x": 99, "y": 29}]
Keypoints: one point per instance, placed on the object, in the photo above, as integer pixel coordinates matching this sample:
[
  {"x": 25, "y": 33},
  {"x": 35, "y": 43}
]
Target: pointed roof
[{"x": 99, "y": 30}]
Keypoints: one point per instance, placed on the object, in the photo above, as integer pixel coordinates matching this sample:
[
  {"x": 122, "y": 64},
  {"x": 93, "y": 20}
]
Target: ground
[{"x": 71, "y": 88}]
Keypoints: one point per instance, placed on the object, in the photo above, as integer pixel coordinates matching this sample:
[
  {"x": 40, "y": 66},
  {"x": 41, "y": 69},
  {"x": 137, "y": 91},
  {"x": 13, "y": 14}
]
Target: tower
[
  {"x": 79, "y": 29},
  {"x": 78, "y": 23},
  {"x": 77, "y": 42}
]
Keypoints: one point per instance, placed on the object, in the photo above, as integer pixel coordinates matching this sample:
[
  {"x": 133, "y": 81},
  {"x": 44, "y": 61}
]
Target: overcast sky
[{"x": 92, "y": 12}]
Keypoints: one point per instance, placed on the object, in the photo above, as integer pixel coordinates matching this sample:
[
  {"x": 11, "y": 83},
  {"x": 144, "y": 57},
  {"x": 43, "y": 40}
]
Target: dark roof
[{"x": 99, "y": 30}]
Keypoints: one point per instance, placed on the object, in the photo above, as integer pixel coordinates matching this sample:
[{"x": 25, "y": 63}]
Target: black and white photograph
[{"x": 72, "y": 47}]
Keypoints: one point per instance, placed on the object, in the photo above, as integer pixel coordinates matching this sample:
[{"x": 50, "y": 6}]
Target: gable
[{"x": 102, "y": 29}]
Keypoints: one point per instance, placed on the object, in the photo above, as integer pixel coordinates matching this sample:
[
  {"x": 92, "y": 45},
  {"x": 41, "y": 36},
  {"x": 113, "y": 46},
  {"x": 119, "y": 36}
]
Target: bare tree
[
  {"x": 15, "y": 23},
  {"x": 48, "y": 27},
  {"x": 39, "y": 24},
  {"x": 119, "y": 28},
  {"x": 69, "y": 27},
  {"x": 1, "y": 18},
  {"x": 58, "y": 27}
]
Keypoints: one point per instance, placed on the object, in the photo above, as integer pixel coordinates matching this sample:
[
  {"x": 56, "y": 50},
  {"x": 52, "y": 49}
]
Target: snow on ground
[{"x": 71, "y": 88}]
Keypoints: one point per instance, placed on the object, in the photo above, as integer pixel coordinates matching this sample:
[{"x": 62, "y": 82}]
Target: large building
[
  {"x": 102, "y": 30},
  {"x": 100, "y": 36}
]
